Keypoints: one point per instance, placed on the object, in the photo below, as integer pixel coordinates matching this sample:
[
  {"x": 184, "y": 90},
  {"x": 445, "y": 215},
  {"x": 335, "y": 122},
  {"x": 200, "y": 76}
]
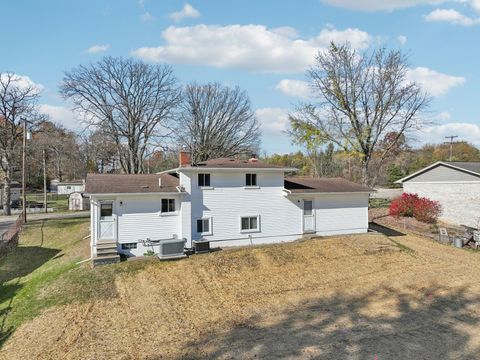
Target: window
[
  {"x": 307, "y": 207},
  {"x": 249, "y": 223},
  {"x": 250, "y": 179},
  {"x": 203, "y": 226},
  {"x": 168, "y": 206},
  {"x": 69, "y": 187},
  {"x": 203, "y": 180},
  {"x": 129, "y": 246},
  {"x": 106, "y": 211}
]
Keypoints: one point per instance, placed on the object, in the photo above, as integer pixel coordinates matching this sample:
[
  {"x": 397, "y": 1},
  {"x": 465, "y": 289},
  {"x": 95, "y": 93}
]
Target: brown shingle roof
[
  {"x": 234, "y": 163},
  {"x": 312, "y": 185},
  {"x": 124, "y": 184}
]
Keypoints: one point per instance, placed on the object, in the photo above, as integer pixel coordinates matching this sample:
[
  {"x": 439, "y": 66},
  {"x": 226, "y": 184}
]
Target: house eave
[{"x": 136, "y": 194}]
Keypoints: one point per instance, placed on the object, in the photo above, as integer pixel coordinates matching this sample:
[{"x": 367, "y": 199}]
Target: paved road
[
  {"x": 5, "y": 224},
  {"x": 384, "y": 193}
]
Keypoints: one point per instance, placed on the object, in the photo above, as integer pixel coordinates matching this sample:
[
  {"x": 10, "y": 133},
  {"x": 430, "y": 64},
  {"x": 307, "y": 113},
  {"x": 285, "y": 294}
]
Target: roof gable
[{"x": 446, "y": 171}]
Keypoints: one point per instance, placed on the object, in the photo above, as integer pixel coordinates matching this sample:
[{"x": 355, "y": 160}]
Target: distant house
[
  {"x": 456, "y": 185},
  {"x": 227, "y": 201},
  {"x": 68, "y": 187},
  {"x": 15, "y": 192}
]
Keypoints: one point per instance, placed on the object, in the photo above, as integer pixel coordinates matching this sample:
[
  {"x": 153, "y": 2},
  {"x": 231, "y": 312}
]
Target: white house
[
  {"x": 455, "y": 185},
  {"x": 68, "y": 187},
  {"x": 227, "y": 201}
]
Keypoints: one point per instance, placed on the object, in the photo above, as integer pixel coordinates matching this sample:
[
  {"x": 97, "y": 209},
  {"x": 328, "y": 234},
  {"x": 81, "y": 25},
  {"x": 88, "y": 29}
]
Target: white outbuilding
[
  {"x": 78, "y": 202},
  {"x": 68, "y": 187},
  {"x": 455, "y": 185}
]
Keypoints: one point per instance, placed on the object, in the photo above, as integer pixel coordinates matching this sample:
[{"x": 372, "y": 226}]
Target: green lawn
[
  {"x": 58, "y": 202},
  {"x": 42, "y": 272}
]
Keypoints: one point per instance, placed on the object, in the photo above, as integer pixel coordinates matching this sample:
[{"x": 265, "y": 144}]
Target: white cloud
[
  {"x": 465, "y": 131},
  {"x": 296, "y": 88},
  {"x": 146, "y": 17},
  {"x": 376, "y": 5},
  {"x": 21, "y": 81},
  {"x": 435, "y": 83},
  {"x": 248, "y": 47},
  {"x": 95, "y": 49},
  {"x": 274, "y": 121},
  {"x": 402, "y": 39},
  {"x": 186, "y": 12},
  {"x": 62, "y": 115},
  {"x": 451, "y": 16},
  {"x": 443, "y": 116}
]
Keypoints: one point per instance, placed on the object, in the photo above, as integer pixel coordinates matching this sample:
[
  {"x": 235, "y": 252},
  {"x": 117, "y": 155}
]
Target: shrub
[
  {"x": 427, "y": 210},
  {"x": 411, "y": 205}
]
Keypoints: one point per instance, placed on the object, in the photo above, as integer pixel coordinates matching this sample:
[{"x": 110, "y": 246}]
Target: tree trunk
[
  {"x": 7, "y": 194},
  {"x": 364, "y": 167}
]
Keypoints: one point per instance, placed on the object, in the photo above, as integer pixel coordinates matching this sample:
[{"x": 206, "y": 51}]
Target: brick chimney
[{"x": 184, "y": 158}]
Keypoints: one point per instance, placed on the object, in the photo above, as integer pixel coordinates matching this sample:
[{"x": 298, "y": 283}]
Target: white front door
[
  {"x": 308, "y": 216},
  {"x": 106, "y": 223}
]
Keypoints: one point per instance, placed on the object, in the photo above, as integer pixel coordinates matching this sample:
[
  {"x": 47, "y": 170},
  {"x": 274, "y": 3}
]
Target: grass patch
[
  {"x": 42, "y": 272},
  {"x": 59, "y": 203},
  {"x": 378, "y": 203}
]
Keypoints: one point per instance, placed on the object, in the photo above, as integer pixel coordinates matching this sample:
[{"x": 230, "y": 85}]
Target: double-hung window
[
  {"x": 168, "y": 206},
  {"x": 203, "y": 180},
  {"x": 204, "y": 226},
  {"x": 250, "y": 179},
  {"x": 250, "y": 223}
]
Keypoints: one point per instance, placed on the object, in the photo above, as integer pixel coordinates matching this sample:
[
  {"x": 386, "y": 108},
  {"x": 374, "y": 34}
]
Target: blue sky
[{"x": 262, "y": 46}]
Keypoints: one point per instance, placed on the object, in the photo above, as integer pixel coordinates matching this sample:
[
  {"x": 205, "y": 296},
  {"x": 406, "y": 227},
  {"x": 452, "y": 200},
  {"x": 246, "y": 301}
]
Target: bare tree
[
  {"x": 217, "y": 121},
  {"x": 362, "y": 97},
  {"x": 18, "y": 101},
  {"x": 132, "y": 100}
]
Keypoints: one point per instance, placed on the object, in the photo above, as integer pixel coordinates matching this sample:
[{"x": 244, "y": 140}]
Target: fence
[{"x": 9, "y": 239}]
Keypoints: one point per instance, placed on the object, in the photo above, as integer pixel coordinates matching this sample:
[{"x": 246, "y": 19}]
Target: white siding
[
  {"x": 64, "y": 190},
  {"x": 139, "y": 218},
  {"x": 460, "y": 201},
  {"x": 341, "y": 213},
  {"x": 228, "y": 201}
]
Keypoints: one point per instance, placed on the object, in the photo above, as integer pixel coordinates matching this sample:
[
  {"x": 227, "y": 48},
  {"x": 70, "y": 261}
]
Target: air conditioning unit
[
  {"x": 171, "y": 249},
  {"x": 201, "y": 246}
]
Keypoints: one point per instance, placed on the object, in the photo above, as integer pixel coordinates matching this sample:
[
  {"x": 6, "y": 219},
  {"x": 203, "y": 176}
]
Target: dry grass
[{"x": 336, "y": 298}]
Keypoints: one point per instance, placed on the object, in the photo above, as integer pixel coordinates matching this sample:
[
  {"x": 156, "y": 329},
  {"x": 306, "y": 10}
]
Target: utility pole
[
  {"x": 24, "y": 158},
  {"x": 44, "y": 182},
  {"x": 451, "y": 137}
]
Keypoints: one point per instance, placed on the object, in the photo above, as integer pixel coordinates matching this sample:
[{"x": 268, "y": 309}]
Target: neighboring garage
[{"x": 456, "y": 185}]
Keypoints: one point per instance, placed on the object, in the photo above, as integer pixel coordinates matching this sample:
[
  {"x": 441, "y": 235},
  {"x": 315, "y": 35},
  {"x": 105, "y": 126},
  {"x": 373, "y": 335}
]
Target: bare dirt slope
[{"x": 350, "y": 297}]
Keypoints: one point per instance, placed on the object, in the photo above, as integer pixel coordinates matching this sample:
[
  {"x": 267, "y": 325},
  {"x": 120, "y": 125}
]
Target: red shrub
[
  {"x": 411, "y": 205},
  {"x": 427, "y": 210},
  {"x": 404, "y": 205}
]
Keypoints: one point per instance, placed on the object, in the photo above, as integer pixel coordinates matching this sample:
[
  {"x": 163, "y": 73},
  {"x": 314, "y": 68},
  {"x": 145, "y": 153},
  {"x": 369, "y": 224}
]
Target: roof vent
[
  {"x": 252, "y": 160},
  {"x": 145, "y": 186},
  {"x": 159, "y": 182}
]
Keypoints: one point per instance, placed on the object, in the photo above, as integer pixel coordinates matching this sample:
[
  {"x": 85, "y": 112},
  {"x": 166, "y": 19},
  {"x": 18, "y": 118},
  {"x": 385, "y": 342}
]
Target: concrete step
[
  {"x": 102, "y": 260},
  {"x": 107, "y": 246},
  {"x": 107, "y": 251}
]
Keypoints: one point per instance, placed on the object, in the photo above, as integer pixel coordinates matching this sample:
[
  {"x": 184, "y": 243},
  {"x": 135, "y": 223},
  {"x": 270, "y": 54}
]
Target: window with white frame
[
  {"x": 250, "y": 179},
  {"x": 168, "y": 206},
  {"x": 250, "y": 223},
  {"x": 204, "y": 226},
  {"x": 129, "y": 246},
  {"x": 203, "y": 180}
]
